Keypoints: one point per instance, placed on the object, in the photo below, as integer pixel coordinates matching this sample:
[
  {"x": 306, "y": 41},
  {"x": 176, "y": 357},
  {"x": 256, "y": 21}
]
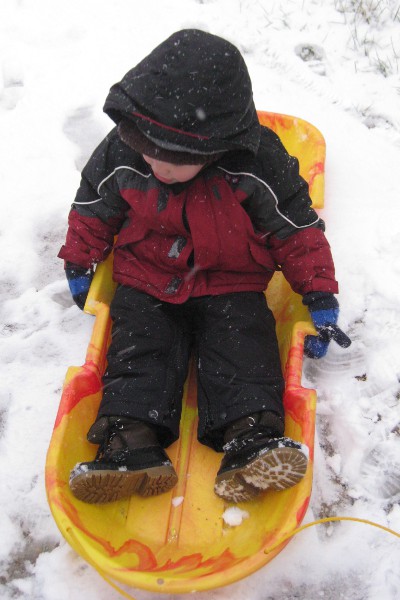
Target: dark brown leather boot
[
  {"x": 129, "y": 461},
  {"x": 258, "y": 458}
]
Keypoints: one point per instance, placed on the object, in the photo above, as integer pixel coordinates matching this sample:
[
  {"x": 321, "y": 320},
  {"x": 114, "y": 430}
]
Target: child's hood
[{"x": 194, "y": 92}]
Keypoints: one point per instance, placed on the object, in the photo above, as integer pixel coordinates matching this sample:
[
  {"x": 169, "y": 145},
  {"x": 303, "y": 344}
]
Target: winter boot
[
  {"x": 129, "y": 461},
  {"x": 258, "y": 458}
]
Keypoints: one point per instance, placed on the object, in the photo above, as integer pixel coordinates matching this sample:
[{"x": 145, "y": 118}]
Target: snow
[
  {"x": 335, "y": 63},
  {"x": 177, "y": 501},
  {"x": 234, "y": 516}
]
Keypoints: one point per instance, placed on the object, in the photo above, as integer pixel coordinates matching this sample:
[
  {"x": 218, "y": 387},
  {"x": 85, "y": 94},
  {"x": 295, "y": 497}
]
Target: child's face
[{"x": 170, "y": 173}]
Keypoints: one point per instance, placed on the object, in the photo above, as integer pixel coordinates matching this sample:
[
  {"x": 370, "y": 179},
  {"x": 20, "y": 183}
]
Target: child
[{"x": 207, "y": 204}]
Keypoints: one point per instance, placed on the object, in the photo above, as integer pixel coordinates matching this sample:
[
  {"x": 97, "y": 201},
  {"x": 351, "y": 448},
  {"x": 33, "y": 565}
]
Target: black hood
[{"x": 193, "y": 92}]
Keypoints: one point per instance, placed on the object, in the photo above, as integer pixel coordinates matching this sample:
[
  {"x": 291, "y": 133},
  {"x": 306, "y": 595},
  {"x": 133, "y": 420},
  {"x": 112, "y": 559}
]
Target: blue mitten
[
  {"x": 79, "y": 280},
  {"x": 324, "y": 311}
]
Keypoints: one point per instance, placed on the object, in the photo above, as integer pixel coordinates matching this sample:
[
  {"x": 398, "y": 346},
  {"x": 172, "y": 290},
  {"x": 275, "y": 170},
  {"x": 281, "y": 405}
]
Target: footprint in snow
[
  {"x": 380, "y": 471},
  {"x": 13, "y": 84},
  {"x": 313, "y": 55}
]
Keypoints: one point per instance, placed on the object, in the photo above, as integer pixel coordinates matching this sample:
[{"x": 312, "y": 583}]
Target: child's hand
[
  {"x": 79, "y": 280},
  {"x": 316, "y": 346},
  {"x": 324, "y": 311}
]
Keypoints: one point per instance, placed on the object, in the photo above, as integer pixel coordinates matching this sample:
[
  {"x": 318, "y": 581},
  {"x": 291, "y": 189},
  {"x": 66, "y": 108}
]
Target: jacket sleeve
[
  {"x": 294, "y": 232},
  {"x": 306, "y": 261},
  {"x": 98, "y": 210}
]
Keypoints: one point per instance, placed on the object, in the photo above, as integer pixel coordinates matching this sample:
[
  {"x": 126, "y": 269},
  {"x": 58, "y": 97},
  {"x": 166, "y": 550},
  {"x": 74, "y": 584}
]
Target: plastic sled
[{"x": 184, "y": 545}]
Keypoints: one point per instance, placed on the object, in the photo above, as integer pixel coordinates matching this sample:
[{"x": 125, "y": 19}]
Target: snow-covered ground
[{"x": 335, "y": 63}]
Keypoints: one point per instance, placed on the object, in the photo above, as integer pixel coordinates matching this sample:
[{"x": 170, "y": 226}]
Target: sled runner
[{"x": 179, "y": 542}]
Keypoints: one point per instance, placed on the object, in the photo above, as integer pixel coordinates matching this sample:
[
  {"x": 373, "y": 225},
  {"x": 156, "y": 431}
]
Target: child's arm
[
  {"x": 306, "y": 261},
  {"x": 98, "y": 210},
  {"x": 298, "y": 245},
  {"x": 95, "y": 218}
]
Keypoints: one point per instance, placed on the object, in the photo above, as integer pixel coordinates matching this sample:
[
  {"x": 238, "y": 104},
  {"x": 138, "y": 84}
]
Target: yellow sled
[{"x": 179, "y": 542}]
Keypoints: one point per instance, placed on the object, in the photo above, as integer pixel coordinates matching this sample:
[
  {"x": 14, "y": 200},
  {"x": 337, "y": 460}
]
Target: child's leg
[
  {"x": 147, "y": 362},
  {"x": 240, "y": 398},
  {"x": 141, "y": 405},
  {"x": 239, "y": 365}
]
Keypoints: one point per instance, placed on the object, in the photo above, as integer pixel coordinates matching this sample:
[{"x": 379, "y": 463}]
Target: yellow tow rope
[{"x": 328, "y": 520}]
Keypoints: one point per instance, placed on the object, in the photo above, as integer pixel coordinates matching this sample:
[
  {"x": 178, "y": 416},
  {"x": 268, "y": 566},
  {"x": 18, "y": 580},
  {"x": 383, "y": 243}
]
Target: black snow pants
[{"x": 233, "y": 339}]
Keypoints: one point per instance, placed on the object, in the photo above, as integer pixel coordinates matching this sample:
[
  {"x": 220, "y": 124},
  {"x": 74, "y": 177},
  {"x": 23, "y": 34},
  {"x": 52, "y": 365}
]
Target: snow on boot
[
  {"x": 258, "y": 458},
  {"x": 129, "y": 461}
]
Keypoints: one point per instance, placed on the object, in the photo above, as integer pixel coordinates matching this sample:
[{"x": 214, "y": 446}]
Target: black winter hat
[
  {"x": 191, "y": 94},
  {"x": 131, "y": 135}
]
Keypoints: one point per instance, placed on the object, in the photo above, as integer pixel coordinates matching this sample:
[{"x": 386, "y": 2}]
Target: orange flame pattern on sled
[{"x": 153, "y": 543}]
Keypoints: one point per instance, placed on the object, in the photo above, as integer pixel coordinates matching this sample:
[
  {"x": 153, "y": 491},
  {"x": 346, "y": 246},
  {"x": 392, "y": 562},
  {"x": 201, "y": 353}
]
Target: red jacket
[{"x": 225, "y": 231}]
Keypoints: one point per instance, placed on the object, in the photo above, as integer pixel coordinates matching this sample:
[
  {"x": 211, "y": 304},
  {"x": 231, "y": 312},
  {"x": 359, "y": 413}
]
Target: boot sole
[
  {"x": 275, "y": 469},
  {"x": 232, "y": 487},
  {"x": 105, "y": 485}
]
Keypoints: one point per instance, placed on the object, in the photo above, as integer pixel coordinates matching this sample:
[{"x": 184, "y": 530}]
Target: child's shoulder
[
  {"x": 270, "y": 143},
  {"x": 112, "y": 153},
  {"x": 271, "y": 156}
]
